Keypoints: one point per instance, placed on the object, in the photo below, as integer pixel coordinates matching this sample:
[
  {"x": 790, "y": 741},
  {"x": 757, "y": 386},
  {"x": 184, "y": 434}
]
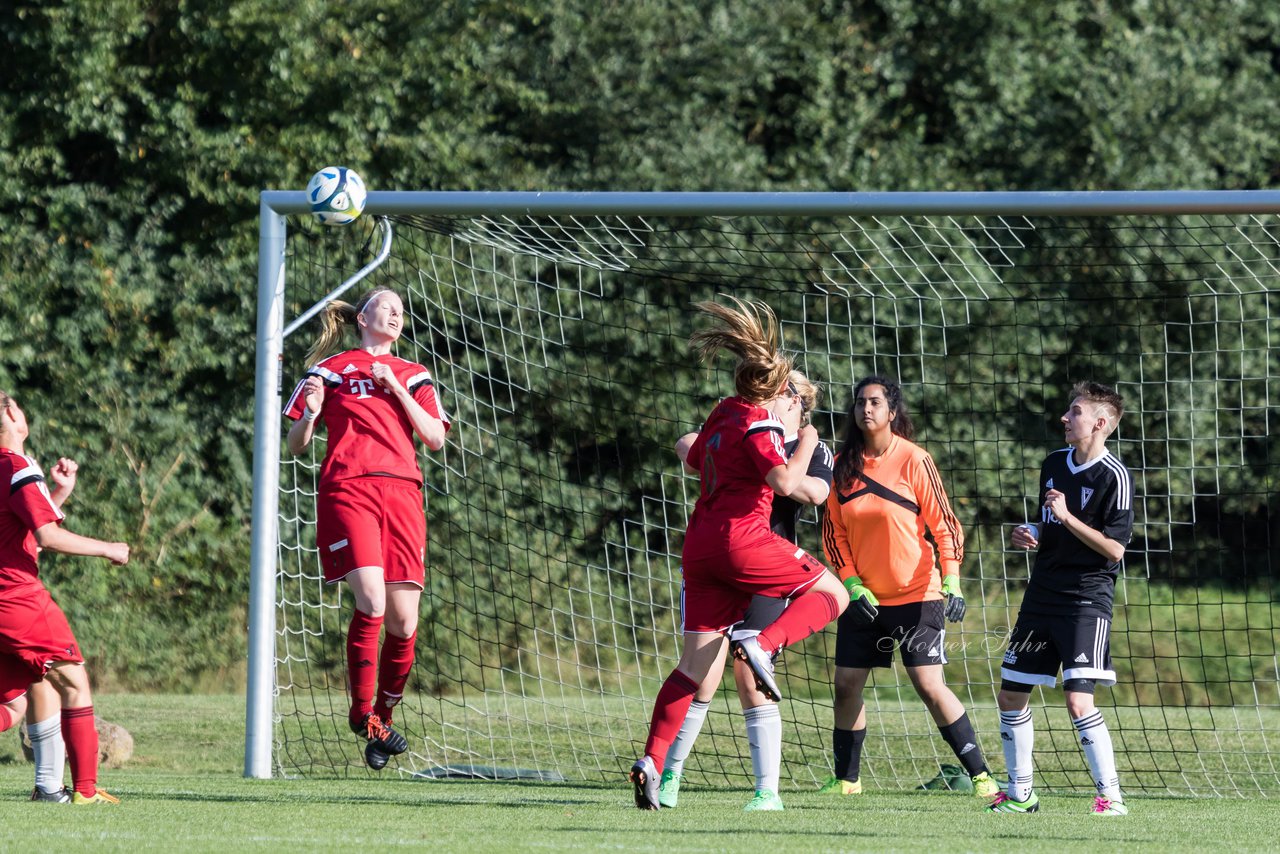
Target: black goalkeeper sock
[
  {"x": 964, "y": 744},
  {"x": 846, "y": 745}
]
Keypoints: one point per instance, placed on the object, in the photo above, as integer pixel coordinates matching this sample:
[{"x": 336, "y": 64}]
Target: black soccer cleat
[
  {"x": 375, "y": 757},
  {"x": 388, "y": 740},
  {"x": 62, "y": 796}
]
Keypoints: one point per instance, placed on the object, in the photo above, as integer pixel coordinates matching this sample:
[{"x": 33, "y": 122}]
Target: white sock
[
  {"x": 1017, "y": 735},
  {"x": 683, "y": 745},
  {"x": 1095, "y": 740},
  {"x": 50, "y": 753},
  {"x": 764, "y": 734}
]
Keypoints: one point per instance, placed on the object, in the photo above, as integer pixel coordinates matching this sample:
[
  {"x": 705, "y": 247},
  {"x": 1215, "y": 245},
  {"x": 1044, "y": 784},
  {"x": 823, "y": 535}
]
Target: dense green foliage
[{"x": 135, "y": 137}]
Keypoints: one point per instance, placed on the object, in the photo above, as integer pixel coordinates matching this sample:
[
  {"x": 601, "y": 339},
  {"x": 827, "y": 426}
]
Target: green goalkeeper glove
[
  {"x": 862, "y": 602},
  {"x": 955, "y": 602}
]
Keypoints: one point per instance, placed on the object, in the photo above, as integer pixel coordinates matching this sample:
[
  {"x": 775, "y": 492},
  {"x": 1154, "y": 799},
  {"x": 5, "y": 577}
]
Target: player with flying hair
[
  {"x": 886, "y": 496},
  {"x": 730, "y": 552},
  {"x": 764, "y": 723},
  {"x": 1086, "y": 521},
  {"x": 371, "y": 529},
  {"x": 36, "y": 642}
]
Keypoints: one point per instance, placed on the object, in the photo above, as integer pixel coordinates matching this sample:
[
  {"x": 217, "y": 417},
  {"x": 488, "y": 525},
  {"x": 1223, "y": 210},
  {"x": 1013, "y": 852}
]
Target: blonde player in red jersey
[
  {"x": 886, "y": 495},
  {"x": 763, "y": 719},
  {"x": 36, "y": 643},
  {"x": 371, "y": 529},
  {"x": 730, "y": 552}
]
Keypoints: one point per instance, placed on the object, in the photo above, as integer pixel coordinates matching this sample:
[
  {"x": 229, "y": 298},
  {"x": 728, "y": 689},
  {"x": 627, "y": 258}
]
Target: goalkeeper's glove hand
[
  {"x": 955, "y": 602},
  {"x": 862, "y": 602}
]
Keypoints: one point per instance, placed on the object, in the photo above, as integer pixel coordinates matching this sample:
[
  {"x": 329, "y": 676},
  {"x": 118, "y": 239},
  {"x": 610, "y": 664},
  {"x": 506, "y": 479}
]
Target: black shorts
[
  {"x": 916, "y": 629},
  {"x": 1041, "y": 644}
]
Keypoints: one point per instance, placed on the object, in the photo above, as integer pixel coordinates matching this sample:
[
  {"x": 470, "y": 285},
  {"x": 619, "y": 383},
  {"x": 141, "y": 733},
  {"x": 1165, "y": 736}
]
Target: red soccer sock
[
  {"x": 362, "y": 665},
  {"x": 81, "y": 738},
  {"x": 808, "y": 614},
  {"x": 394, "y": 664},
  {"x": 669, "y": 712}
]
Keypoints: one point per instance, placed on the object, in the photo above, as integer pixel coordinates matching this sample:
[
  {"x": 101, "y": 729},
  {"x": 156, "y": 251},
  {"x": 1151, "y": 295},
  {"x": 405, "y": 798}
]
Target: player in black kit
[{"x": 1086, "y": 520}]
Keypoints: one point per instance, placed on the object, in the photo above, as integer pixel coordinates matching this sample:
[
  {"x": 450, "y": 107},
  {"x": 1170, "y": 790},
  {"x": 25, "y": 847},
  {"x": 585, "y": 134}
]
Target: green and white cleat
[
  {"x": 1108, "y": 806},
  {"x": 764, "y": 801},
  {"x": 985, "y": 786},
  {"x": 1004, "y": 803},
  {"x": 838, "y": 786},
  {"x": 669, "y": 789}
]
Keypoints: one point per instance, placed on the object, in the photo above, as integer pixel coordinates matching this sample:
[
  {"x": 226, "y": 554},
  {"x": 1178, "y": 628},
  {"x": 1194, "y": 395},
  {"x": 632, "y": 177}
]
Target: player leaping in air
[
  {"x": 764, "y": 722},
  {"x": 730, "y": 553},
  {"x": 370, "y": 524},
  {"x": 1086, "y": 519}
]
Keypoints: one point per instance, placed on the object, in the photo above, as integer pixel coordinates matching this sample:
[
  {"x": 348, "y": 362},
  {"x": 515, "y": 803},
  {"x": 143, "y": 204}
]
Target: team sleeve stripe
[
  {"x": 26, "y": 481},
  {"x": 1124, "y": 482},
  {"x": 331, "y": 379},
  {"x": 24, "y": 476},
  {"x": 765, "y": 424},
  {"x": 949, "y": 519},
  {"x": 417, "y": 381},
  {"x": 829, "y": 541}
]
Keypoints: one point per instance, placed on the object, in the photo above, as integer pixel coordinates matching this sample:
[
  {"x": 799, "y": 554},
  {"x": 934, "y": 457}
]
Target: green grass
[{"x": 183, "y": 791}]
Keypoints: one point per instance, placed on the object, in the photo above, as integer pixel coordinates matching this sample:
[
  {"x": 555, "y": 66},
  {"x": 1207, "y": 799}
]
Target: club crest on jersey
[{"x": 1085, "y": 494}]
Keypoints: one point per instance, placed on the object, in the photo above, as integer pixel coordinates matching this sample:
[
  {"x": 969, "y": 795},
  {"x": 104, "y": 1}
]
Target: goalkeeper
[{"x": 886, "y": 493}]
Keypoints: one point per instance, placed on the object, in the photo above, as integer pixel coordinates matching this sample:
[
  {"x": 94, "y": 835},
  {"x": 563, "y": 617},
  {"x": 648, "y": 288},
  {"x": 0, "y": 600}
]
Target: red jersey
[
  {"x": 740, "y": 443},
  {"x": 368, "y": 430},
  {"x": 27, "y": 505}
]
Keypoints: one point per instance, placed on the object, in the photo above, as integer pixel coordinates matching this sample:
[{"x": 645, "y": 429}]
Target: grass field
[{"x": 183, "y": 791}]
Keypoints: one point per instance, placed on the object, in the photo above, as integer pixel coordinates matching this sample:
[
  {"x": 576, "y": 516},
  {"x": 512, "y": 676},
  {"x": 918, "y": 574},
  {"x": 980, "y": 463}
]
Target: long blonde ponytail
[{"x": 749, "y": 331}]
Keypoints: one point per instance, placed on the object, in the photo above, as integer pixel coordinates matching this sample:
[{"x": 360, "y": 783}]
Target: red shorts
[
  {"x": 718, "y": 588},
  {"x": 33, "y": 634},
  {"x": 372, "y": 521}
]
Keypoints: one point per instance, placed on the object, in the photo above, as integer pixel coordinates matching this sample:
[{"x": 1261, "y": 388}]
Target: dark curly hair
[{"x": 849, "y": 460}]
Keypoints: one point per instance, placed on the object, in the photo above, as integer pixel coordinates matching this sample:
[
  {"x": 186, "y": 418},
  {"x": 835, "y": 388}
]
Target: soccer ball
[{"x": 336, "y": 195}]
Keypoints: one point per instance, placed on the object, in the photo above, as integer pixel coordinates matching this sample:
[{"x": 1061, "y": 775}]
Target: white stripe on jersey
[
  {"x": 329, "y": 377},
  {"x": 31, "y": 470},
  {"x": 1124, "y": 493},
  {"x": 22, "y": 474},
  {"x": 766, "y": 424},
  {"x": 416, "y": 380},
  {"x": 297, "y": 391}
]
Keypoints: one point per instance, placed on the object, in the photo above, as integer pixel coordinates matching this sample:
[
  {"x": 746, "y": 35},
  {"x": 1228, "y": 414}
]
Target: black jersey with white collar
[
  {"x": 1068, "y": 576},
  {"x": 786, "y": 511}
]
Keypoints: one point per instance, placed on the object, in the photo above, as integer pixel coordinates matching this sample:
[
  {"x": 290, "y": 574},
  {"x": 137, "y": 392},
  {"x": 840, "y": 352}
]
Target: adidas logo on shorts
[
  {"x": 933, "y": 652},
  {"x": 1082, "y": 659}
]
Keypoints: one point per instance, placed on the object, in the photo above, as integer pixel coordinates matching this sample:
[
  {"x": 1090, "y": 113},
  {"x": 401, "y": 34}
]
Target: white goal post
[{"x": 902, "y": 265}]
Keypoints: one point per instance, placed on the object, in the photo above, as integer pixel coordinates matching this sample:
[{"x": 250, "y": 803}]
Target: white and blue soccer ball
[{"x": 336, "y": 195}]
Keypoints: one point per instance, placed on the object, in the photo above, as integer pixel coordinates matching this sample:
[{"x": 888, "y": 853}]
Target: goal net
[{"x": 556, "y": 511}]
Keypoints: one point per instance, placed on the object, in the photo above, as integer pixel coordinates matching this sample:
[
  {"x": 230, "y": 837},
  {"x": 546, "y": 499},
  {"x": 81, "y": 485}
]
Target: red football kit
[
  {"x": 33, "y": 630},
  {"x": 369, "y": 511},
  {"x": 730, "y": 552}
]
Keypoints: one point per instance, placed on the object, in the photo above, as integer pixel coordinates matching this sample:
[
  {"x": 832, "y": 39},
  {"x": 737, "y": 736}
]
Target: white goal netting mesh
[{"x": 557, "y": 508}]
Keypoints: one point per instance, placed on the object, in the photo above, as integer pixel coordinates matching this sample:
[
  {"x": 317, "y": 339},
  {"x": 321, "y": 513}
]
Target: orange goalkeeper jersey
[{"x": 875, "y": 527}]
